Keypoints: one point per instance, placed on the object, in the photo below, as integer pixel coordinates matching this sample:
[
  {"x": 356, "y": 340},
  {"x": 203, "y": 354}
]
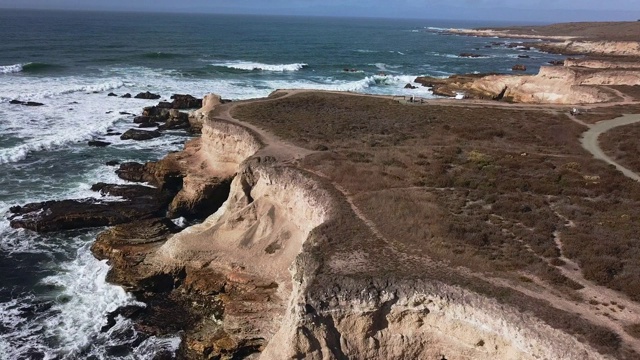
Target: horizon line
[{"x": 337, "y": 16}]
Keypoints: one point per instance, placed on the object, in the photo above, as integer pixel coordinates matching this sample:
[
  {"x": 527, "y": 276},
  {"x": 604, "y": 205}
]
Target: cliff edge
[{"x": 290, "y": 267}]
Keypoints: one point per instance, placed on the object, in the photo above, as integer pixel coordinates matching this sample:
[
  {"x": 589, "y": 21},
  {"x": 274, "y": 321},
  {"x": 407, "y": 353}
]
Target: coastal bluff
[
  {"x": 289, "y": 266},
  {"x": 600, "y": 55}
]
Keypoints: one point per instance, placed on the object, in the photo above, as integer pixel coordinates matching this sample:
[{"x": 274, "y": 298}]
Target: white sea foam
[
  {"x": 72, "y": 327},
  {"x": 39, "y": 89},
  {"x": 253, "y": 66},
  {"x": 10, "y": 69},
  {"x": 83, "y": 302},
  {"x": 22, "y": 335},
  {"x": 386, "y": 67},
  {"x": 433, "y": 28}
]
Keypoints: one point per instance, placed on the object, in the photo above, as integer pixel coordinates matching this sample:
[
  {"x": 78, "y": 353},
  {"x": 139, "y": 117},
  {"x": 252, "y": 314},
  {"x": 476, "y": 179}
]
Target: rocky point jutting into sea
[{"x": 333, "y": 225}]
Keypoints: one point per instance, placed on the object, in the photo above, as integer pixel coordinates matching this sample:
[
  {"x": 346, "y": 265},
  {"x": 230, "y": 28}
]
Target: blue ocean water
[{"x": 53, "y": 296}]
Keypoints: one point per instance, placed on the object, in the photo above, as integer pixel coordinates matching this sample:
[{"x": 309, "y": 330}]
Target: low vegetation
[
  {"x": 623, "y": 146},
  {"x": 493, "y": 190}
]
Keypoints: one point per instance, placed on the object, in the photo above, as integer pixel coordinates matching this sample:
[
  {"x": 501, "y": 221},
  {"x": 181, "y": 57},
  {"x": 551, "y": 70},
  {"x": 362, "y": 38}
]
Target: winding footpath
[{"x": 590, "y": 141}]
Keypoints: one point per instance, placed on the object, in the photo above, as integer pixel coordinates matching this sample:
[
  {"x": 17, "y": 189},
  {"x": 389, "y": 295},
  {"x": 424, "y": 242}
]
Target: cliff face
[
  {"x": 552, "y": 85},
  {"x": 413, "y": 320},
  {"x": 602, "y": 64},
  {"x": 610, "y": 48}
]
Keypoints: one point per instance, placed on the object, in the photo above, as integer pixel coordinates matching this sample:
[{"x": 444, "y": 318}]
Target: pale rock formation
[
  {"x": 552, "y": 85},
  {"x": 601, "y": 64},
  {"x": 609, "y": 48},
  {"x": 209, "y": 103}
]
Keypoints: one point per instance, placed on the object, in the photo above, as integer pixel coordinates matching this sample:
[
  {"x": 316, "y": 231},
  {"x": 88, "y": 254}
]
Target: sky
[{"x": 504, "y": 10}]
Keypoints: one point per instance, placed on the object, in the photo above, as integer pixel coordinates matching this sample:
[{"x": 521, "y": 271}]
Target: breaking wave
[
  {"x": 256, "y": 66},
  {"x": 27, "y": 68}
]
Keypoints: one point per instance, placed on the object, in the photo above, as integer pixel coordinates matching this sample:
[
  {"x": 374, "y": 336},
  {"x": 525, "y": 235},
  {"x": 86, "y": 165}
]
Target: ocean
[{"x": 53, "y": 295}]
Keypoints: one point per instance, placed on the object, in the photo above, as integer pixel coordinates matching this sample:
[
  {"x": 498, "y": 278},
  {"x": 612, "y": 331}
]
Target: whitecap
[
  {"x": 10, "y": 69},
  {"x": 83, "y": 302},
  {"x": 256, "y": 66}
]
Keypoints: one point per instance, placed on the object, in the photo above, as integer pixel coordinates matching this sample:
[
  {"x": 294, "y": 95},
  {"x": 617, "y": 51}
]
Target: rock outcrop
[
  {"x": 209, "y": 103},
  {"x": 608, "y": 48},
  {"x": 140, "y": 202},
  {"x": 552, "y": 85},
  {"x": 148, "y": 96},
  {"x": 135, "y": 134},
  {"x": 185, "y": 102}
]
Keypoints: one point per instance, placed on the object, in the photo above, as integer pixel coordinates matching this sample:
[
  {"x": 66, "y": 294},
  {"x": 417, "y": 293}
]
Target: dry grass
[
  {"x": 592, "y": 116},
  {"x": 632, "y": 91},
  {"x": 623, "y": 146},
  {"x": 482, "y": 188},
  {"x": 612, "y": 31}
]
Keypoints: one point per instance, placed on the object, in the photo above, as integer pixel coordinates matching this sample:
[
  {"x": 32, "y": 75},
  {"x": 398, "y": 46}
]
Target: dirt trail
[
  {"x": 283, "y": 151},
  {"x": 590, "y": 141},
  {"x": 601, "y": 306}
]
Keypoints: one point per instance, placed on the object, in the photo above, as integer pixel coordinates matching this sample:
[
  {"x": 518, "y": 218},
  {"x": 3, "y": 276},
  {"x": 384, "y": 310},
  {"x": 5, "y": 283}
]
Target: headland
[{"x": 340, "y": 225}]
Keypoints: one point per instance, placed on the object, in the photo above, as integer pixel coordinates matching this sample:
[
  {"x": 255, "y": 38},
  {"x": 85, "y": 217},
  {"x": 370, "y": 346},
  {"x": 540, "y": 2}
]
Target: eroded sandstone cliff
[
  {"x": 569, "y": 84},
  {"x": 287, "y": 268}
]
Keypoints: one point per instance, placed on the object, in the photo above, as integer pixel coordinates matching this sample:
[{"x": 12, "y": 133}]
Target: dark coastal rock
[
  {"x": 25, "y": 103},
  {"x": 111, "y": 94},
  {"x": 135, "y": 134},
  {"x": 185, "y": 102},
  {"x": 133, "y": 171},
  {"x": 470, "y": 55},
  {"x": 130, "y": 192},
  {"x": 409, "y": 86},
  {"x": 165, "y": 174},
  {"x": 98, "y": 143},
  {"x": 153, "y": 111},
  {"x": 519, "y": 67},
  {"x": 142, "y": 119},
  {"x": 487, "y": 46},
  {"x": 135, "y": 233},
  {"x": 112, "y": 162},
  {"x": 125, "y": 113},
  {"x": 176, "y": 120},
  {"x": 557, "y": 62},
  {"x": 200, "y": 200},
  {"x": 126, "y": 96},
  {"x": 148, "y": 96},
  {"x": 524, "y": 48},
  {"x": 165, "y": 105},
  {"x": 113, "y": 134},
  {"x": 76, "y": 214},
  {"x": 139, "y": 203},
  {"x": 147, "y": 125}
]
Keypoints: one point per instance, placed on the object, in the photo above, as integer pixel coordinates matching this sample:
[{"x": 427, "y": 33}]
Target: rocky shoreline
[
  {"x": 605, "y": 59},
  {"x": 269, "y": 274},
  {"x": 276, "y": 261}
]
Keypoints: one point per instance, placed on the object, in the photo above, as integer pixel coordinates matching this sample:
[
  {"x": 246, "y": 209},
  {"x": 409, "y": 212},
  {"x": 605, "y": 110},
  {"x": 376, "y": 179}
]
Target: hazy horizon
[{"x": 539, "y": 11}]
